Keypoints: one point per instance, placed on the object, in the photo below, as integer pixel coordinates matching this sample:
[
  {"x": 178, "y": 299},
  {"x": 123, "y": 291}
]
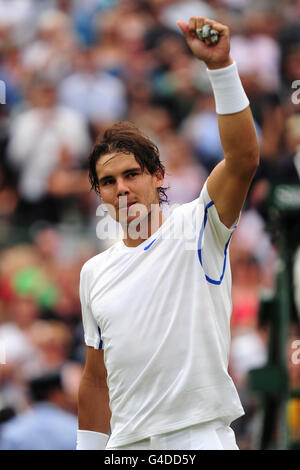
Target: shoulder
[
  {"x": 204, "y": 197},
  {"x": 97, "y": 262},
  {"x": 211, "y": 219}
]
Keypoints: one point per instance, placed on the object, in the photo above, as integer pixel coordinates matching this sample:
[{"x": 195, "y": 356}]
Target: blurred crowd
[{"x": 71, "y": 68}]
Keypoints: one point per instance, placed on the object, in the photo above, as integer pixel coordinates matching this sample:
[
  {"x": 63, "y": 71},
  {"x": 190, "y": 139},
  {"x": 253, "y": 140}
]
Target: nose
[{"x": 122, "y": 188}]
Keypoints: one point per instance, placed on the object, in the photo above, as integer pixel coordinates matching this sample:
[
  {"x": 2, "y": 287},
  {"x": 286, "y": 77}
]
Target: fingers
[
  {"x": 183, "y": 26},
  {"x": 193, "y": 23},
  {"x": 196, "y": 22}
]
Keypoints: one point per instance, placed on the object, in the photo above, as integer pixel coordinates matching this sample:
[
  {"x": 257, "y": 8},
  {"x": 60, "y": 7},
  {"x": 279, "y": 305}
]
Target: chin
[
  {"x": 139, "y": 218},
  {"x": 130, "y": 219}
]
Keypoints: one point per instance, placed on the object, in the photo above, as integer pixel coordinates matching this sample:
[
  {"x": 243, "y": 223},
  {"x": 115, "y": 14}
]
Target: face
[{"x": 123, "y": 185}]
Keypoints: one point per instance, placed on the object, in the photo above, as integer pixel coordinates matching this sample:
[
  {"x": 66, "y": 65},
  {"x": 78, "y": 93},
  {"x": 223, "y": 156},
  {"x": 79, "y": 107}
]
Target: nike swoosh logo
[{"x": 150, "y": 244}]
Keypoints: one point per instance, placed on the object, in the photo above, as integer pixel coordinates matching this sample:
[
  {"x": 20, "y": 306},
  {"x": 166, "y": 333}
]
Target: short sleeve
[
  {"x": 214, "y": 241},
  {"x": 213, "y": 216},
  {"x": 92, "y": 333}
]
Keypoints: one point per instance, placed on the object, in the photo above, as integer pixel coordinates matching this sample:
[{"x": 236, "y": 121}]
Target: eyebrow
[{"x": 124, "y": 173}]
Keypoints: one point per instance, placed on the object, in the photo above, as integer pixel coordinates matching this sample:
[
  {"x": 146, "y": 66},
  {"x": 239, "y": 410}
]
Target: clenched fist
[{"x": 215, "y": 55}]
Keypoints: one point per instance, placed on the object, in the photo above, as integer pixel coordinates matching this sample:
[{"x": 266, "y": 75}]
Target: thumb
[{"x": 184, "y": 27}]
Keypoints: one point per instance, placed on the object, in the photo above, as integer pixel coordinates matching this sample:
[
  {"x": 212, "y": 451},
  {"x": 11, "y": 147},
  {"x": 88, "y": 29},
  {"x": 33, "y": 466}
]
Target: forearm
[
  {"x": 239, "y": 141},
  {"x": 236, "y": 125},
  {"x": 93, "y": 406}
]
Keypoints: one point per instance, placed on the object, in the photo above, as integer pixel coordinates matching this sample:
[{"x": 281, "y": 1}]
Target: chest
[{"x": 147, "y": 286}]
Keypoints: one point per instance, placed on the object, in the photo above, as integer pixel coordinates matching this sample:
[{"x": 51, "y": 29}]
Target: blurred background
[{"x": 73, "y": 67}]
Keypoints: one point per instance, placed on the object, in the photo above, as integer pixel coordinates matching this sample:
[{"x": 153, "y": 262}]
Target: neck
[{"x": 137, "y": 233}]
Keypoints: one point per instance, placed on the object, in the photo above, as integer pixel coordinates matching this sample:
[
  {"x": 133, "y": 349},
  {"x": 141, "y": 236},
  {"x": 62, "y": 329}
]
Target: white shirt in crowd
[
  {"x": 36, "y": 139},
  {"x": 99, "y": 97}
]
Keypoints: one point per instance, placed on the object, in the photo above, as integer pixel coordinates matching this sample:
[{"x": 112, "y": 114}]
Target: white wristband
[
  {"x": 229, "y": 93},
  {"x": 91, "y": 440}
]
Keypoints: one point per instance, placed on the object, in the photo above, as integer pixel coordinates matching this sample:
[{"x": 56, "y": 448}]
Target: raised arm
[
  {"x": 93, "y": 403},
  {"x": 229, "y": 181}
]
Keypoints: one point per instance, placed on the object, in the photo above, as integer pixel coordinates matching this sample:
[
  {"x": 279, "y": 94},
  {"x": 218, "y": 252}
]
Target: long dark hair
[{"x": 125, "y": 137}]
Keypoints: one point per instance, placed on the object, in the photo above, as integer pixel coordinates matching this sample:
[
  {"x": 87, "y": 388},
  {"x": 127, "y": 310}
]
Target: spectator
[
  {"x": 96, "y": 95},
  {"x": 18, "y": 14},
  {"x": 22, "y": 357},
  {"x": 170, "y": 11},
  {"x": 201, "y": 129},
  {"x": 51, "y": 51},
  {"x": 46, "y": 425},
  {"x": 45, "y": 129},
  {"x": 287, "y": 169},
  {"x": 52, "y": 338},
  {"x": 256, "y": 52},
  {"x": 185, "y": 177}
]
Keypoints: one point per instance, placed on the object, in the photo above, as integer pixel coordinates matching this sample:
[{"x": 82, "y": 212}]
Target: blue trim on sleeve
[
  {"x": 100, "y": 342},
  {"x": 212, "y": 281}
]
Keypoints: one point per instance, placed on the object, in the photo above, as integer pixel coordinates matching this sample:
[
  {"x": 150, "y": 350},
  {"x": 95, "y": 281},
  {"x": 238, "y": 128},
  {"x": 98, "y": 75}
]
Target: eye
[
  {"x": 107, "y": 182},
  {"x": 132, "y": 174}
]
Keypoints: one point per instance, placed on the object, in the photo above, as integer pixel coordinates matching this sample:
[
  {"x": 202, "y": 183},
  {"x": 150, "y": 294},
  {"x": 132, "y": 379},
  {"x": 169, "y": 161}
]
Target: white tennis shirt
[{"x": 161, "y": 311}]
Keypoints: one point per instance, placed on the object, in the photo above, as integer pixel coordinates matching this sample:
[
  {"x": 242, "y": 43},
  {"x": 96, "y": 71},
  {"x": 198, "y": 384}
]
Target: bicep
[{"x": 228, "y": 191}]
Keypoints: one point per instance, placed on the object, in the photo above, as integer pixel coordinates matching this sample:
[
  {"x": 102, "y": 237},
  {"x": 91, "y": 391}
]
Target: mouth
[{"x": 129, "y": 204}]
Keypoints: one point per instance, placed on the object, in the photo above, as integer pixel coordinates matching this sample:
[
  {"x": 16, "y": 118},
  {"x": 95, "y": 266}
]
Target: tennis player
[{"x": 156, "y": 305}]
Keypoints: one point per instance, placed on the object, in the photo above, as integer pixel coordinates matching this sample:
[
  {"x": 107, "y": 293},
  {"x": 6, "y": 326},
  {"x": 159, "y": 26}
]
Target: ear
[{"x": 159, "y": 176}]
